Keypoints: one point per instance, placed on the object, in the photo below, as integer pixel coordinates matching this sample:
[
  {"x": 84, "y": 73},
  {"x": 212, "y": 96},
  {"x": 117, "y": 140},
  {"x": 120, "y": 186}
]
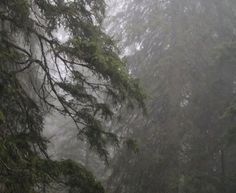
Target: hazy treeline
[
  {"x": 153, "y": 111},
  {"x": 183, "y": 52}
]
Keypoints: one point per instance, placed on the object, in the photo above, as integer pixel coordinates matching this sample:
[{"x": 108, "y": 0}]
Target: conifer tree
[{"x": 80, "y": 76}]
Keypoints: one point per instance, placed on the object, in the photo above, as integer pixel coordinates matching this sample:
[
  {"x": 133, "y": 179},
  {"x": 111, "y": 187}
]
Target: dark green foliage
[
  {"x": 81, "y": 77},
  {"x": 78, "y": 178},
  {"x": 132, "y": 144}
]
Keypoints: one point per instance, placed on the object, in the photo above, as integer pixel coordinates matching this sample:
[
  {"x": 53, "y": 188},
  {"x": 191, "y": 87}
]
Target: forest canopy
[
  {"x": 67, "y": 87},
  {"x": 183, "y": 52}
]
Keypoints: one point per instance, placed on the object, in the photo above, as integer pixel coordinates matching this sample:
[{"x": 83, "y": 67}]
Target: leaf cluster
[{"x": 81, "y": 77}]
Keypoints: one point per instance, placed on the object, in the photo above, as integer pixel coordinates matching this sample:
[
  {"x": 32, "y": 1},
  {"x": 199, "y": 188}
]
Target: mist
[
  {"x": 135, "y": 96},
  {"x": 183, "y": 53}
]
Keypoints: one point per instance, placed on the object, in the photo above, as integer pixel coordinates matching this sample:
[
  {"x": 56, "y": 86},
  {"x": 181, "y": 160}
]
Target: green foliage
[
  {"x": 79, "y": 179},
  {"x": 132, "y": 144},
  {"x": 2, "y": 117},
  {"x": 23, "y": 169},
  {"x": 81, "y": 77}
]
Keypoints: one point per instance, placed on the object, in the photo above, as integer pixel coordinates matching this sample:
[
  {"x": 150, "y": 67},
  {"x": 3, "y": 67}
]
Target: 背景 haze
[{"x": 182, "y": 53}]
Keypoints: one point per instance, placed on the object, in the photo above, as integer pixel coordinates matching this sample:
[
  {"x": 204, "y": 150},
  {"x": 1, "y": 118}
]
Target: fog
[
  {"x": 151, "y": 111},
  {"x": 183, "y": 53}
]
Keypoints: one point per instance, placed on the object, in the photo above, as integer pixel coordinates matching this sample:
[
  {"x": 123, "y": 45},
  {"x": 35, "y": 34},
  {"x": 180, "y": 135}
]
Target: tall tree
[
  {"x": 80, "y": 76},
  {"x": 178, "y": 50}
]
